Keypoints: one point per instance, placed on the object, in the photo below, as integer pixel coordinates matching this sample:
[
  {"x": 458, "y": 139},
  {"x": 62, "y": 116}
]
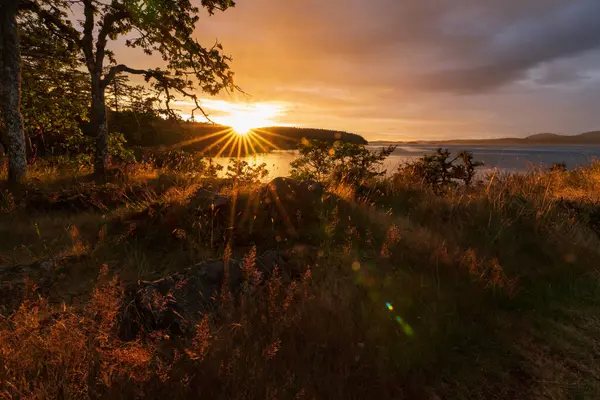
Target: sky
[{"x": 411, "y": 69}]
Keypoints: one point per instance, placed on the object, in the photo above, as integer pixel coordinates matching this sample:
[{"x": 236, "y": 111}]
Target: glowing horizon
[{"x": 242, "y": 117}]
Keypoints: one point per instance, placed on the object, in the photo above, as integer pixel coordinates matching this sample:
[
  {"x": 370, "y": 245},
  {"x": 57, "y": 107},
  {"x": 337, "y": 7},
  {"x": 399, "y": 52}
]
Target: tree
[
  {"x": 161, "y": 26},
  {"x": 355, "y": 164},
  {"x": 55, "y": 92},
  {"x": 118, "y": 92},
  {"x": 466, "y": 171},
  {"x": 134, "y": 110},
  {"x": 10, "y": 91},
  {"x": 242, "y": 173},
  {"x": 315, "y": 161},
  {"x": 345, "y": 162},
  {"x": 438, "y": 170}
]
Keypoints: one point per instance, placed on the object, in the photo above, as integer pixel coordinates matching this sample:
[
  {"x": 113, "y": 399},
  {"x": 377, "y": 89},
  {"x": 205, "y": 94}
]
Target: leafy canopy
[
  {"x": 157, "y": 26},
  {"x": 54, "y": 91}
]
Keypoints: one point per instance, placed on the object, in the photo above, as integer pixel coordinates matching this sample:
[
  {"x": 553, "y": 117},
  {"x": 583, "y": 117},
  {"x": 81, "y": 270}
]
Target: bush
[
  {"x": 341, "y": 162},
  {"x": 242, "y": 173},
  {"x": 438, "y": 170},
  {"x": 80, "y": 150},
  {"x": 176, "y": 160},
  {"x": 559, "y": 167},
  {"x": 212, "y": 169}
]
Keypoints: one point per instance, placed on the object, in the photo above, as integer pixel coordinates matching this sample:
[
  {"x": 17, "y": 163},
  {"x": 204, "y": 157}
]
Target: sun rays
[
  {"x": 230, "y": 142},
  {"x": 240, "y": 130}
]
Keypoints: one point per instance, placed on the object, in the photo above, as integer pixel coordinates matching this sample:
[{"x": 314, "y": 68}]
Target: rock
[
  {"x": 176, "y": 303},
  {"x": 19, "y": 281},
  {"x": 208, "y": 201}
]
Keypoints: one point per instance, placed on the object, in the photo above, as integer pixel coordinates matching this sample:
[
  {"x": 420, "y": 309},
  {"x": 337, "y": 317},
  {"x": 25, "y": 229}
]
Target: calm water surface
[{"x": 508, "y": 158}]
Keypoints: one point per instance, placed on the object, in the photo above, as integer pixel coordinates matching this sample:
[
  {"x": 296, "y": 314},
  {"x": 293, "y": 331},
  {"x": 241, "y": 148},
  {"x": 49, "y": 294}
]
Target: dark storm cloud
[{"x": 510, "y": 53}]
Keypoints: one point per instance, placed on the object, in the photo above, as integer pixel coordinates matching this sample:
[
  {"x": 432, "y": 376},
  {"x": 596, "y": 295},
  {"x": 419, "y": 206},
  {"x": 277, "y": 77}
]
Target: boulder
[
  {"x": 176, "y": 303},
  {"x": 20, "y": 281},
  {"x": 208, "y": 201}
]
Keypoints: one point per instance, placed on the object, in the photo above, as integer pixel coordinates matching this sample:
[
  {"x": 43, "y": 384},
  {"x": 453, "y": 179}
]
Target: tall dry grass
[{"x": 413, "y": 293}]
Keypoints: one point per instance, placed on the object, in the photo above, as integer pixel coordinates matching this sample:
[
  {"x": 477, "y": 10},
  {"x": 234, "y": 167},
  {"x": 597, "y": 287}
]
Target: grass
[{"x": 482, "y": 292}]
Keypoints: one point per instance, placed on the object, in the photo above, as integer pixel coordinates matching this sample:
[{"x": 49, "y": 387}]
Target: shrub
[
  {"x": 176, "y": 160},
  {"x": 242, "y": 173},
  {"x": 212, "y": 169},
  {"x": 80, "y": 150},
  {"x": 341, "y": 162},
  {"x": 559, "y": 167},
  {"x": 438, "y": 170}
]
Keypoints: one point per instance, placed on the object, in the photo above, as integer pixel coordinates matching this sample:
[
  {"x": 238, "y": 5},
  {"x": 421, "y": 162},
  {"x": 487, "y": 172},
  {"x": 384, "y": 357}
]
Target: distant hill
[
  {"x": 592, "y": 137},
  {"x": 155, "y": 132},
  {"x": 314, "y": 133},
  {"x": 552, "y": 138}
]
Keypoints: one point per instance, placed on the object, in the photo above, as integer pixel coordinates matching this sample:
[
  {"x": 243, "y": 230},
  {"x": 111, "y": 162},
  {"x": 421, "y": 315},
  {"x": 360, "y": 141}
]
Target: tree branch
[
  {"x": 165, "y": 82},
  {"x": 65, "y": 29},
  {"x": 108, "y": 27},
  {"x": 88, "y": 38}
]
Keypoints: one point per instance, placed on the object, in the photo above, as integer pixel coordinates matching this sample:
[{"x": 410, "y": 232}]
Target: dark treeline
[{"x": 143, "y": 128}]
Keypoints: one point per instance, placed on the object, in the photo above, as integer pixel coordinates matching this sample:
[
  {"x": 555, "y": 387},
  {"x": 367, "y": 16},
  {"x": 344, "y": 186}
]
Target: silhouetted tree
[
  {"x": 559, "y": 167},
  {"x": 466, "y": 171},
  {"x": 438, "y": 170}
]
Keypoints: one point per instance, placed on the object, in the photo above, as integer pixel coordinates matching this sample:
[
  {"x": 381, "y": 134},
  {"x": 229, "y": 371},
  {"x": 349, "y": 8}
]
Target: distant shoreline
[{"x": 547, "y": 139}]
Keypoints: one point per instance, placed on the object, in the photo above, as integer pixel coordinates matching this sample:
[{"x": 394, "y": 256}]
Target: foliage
[
  {"x": 438, "y": 170},
  {"x": 315, "y": 162},
  {"x": 182, "y": 162},
  {"x": 80, "y": 149},
  {"x": 176, "y": 160},
  {"x": 55, "y": 93},
  {"x": 438, "y": 304},
  {"x": 242, "y": 173},
  {"x": 341, "y": 161},
  {"x": 559, "y": 167},
  {"x": 165, "y": 28},
  {"x": 355, "y": 164},
  {"x": 212, "y": 169}
]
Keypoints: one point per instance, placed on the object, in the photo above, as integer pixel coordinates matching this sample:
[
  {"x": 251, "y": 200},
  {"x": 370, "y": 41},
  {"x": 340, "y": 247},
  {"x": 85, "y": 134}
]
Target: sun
[
  {"x": 246, "y": 117},
  {"x": 243, "y": 126},
  {"x": 242, "y": 122}
]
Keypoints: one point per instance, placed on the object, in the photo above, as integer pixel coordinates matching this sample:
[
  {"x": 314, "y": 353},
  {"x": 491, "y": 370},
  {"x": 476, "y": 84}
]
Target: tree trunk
[
  {"x": 10, "y": 90},
  {"x": 99, "y": 125}
]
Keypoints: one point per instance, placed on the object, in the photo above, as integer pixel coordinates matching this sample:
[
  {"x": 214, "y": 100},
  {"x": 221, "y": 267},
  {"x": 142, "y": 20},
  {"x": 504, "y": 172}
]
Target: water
[{"x": 504, "y": 158}]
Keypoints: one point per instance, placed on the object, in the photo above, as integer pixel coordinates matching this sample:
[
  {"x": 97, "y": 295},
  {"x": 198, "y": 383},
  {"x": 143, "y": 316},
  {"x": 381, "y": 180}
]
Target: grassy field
[{"x": 394, "y": 291}]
